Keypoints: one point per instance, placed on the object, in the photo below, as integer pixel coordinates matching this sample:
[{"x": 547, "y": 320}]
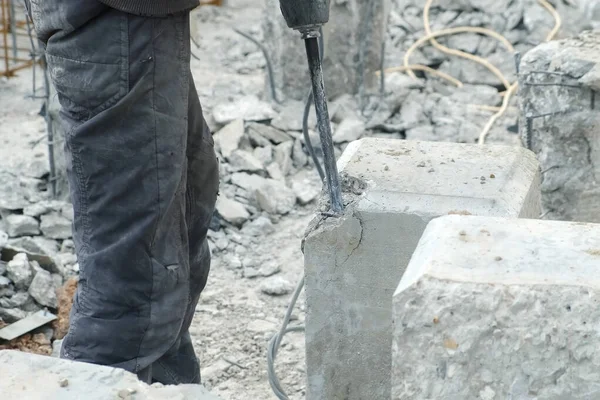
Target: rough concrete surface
[
  {"x": 354, "y": 263},
  {"x": 562, "y": 77},
  {"x": 35, "y": 377},
  {"x": 494, "y": 308}
]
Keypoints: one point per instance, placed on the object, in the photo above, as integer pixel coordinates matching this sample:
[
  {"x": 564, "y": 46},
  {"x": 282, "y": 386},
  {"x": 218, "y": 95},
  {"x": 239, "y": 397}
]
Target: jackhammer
[{"x": 308, "y": 17}]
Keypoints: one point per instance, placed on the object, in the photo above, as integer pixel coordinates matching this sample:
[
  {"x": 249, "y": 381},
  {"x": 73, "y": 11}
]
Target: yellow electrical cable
[
  {"x": 452, "y": 31},
  {"x": 510, "y": 92},
  {"x": 431, "y": 36},
  {"x": 500, "y": 113},
  {"x": 459, "y": 53},
  {"x": 557, "y": 19}
]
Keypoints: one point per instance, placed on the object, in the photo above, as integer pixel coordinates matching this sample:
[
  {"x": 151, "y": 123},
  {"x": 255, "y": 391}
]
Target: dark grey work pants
[{"x": 144, "y": 179}]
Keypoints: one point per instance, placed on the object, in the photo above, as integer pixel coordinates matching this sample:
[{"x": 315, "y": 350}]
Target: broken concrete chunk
[
  {"x": 36, "y": 245},
  {"x": 228, "y": 138},
  {"x": 43, "y": 289},
  {"x": 232, "y": 211},
  {"x": 299, "y": 155},
  {"x": 56, "y": 226},
  {"x": 269, "y": 269},
  {"x": 274, "y": 171},
  {"x": 11, "y": 315},
  {"x": 275, "y": 197},
  {"x": 20, "y": 300},
  {"x": 66, "y": 259},
  {"x": 85, "y": 381},
  {"x": 4, "y": 282},
  {"x": 68, "y": 212},
  {"x": 34, "y": 168},
  {"x": 283, "y": 157},
  {"x": 3, "y": 239},
  {"x": 246, "y": 181},
  {"x": 7, "y": 291},
  {"x": 247, "y": 108},
  {"x": 43, "y": 207},
  {"x": 276, "y": 286},
  {"x": 21, "y": 225},
  {"x": 241, "y": 160},
  {"x": 232, "y": 261},
  {"x": 56, "y": 347},
  {"x": 344, "y": 107},
  {"x": 259, "y": 227},
  {"x": 256, "y": 140},
  {"x": 20, "y": 271},
  {"x": 305, "y": 191},
  {"x": 349, "y": 130},
  {"x": 270, "y": 133},
  {"x": 14, "y": 196},
  {"x": 49, "y": 263},
  {"x": 250, "y": 272},
  {"x": 264, "y": 154},
  {"x": 68, "y": 246}
]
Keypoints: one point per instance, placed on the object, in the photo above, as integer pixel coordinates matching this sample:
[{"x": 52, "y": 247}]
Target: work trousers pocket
[{"x": 87, "y": 51}]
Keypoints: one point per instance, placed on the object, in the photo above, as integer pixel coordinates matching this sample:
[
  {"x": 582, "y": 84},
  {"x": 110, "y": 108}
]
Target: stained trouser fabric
[{"x": 143, "y": 177}]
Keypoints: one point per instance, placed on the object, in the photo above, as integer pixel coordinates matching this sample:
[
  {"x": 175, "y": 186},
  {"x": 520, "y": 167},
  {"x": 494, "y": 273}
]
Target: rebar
[{"x": 14, "y": 54}]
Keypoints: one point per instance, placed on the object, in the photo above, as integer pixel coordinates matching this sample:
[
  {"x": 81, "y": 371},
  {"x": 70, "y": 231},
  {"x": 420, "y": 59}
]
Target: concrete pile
[
  {"x": 559, "y": 121},
  {"x": 353, "y": 263}
]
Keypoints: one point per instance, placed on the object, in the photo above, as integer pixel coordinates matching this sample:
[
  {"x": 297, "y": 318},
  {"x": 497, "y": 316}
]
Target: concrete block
[
  {"x": 34, "y": 377},
  {"x": 353, "y": 264},
  {"x": 495, "y": 308}
]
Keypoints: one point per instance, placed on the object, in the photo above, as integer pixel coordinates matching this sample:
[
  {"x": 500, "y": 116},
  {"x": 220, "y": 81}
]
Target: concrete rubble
[
  {"x": 495, "y": 308},
  {"x": 28, "y": 376}
]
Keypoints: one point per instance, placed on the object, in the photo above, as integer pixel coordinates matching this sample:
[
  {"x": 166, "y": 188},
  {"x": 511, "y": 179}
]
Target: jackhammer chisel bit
[{"x": 307, "y": 17}]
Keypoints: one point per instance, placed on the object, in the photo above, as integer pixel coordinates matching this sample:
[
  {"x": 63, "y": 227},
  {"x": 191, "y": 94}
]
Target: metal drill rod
[{"x": 331, "y": 172}]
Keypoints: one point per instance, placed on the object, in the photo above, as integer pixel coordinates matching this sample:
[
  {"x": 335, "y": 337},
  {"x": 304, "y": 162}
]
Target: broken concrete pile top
[
  {"x": 431, "y": 178},
  {"x": 28, "y": 376},
  {"x": 559, "y": 122}
]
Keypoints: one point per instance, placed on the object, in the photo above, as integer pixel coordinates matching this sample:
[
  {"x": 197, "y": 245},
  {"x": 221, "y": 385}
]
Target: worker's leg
[
  {"x": 123, "y": 82},
  {"x": 180, "y": 364}
]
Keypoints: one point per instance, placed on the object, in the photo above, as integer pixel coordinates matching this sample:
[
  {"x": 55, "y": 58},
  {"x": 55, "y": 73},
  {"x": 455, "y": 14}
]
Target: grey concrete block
[
  {"x": 29, "y": 376},
  {"x": 495, "y": 308},
  {"x": 354, "y": 263}
]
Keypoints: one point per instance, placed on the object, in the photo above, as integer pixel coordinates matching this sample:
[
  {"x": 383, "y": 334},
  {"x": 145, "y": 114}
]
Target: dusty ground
[{"x": 234, "y": 319}]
